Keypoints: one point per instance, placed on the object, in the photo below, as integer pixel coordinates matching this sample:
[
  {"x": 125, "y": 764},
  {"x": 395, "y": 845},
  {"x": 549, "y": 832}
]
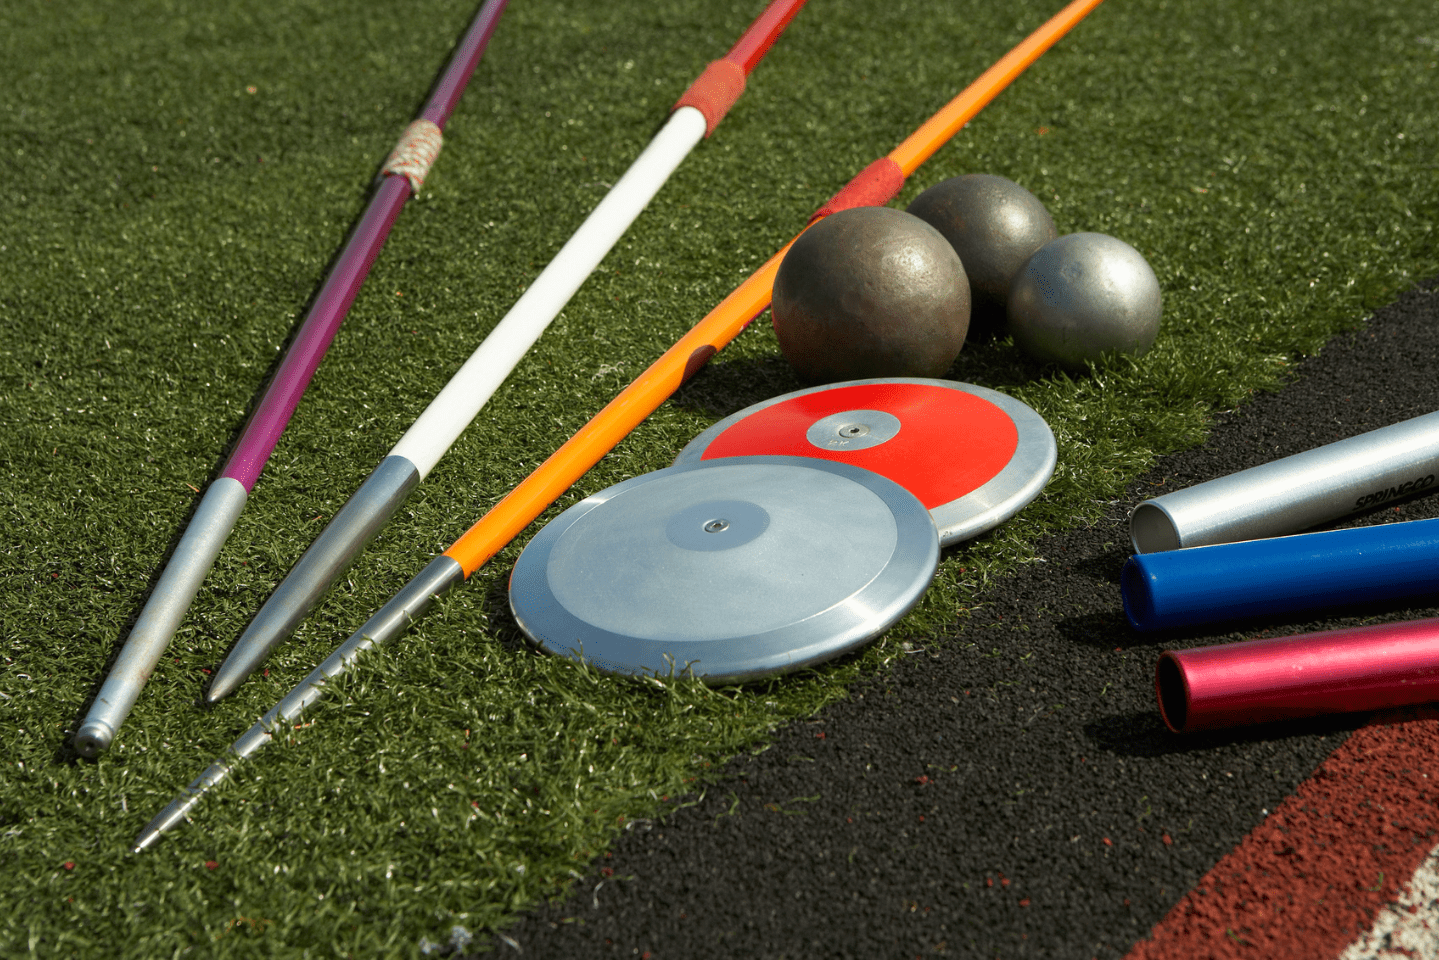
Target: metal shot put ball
[
  {"x": 1083, "y": 296},
  {"x": 870, "y": 292},
  {"x": 995, "y": 225}
]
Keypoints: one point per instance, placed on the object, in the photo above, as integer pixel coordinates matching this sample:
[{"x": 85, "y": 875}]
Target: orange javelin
[{"x": 876, "y": 186}]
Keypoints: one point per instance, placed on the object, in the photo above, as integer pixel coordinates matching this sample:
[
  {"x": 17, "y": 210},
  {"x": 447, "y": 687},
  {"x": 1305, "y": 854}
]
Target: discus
[
  {"x": 728, "y": 571},
  {"x": 973, "y": 456}
]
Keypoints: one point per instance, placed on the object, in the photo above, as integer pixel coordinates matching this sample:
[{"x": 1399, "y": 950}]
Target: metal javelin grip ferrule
[{"x": 1294, "y": 493}]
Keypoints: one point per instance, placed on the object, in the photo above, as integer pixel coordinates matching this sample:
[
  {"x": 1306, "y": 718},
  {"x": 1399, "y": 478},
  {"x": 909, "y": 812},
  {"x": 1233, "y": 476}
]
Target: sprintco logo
[{"x": 1379, "y": 496}]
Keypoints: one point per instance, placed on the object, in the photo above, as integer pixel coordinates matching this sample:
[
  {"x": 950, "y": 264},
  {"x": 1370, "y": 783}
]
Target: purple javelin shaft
[
  {"x": 321, "y": 324},
  {"x": 220, "y": 507},
  {"x": 316, "y": 333}
]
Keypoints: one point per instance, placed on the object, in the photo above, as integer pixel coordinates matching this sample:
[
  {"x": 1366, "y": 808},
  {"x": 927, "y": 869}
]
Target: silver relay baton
[{"x": 1294, "y": 493}]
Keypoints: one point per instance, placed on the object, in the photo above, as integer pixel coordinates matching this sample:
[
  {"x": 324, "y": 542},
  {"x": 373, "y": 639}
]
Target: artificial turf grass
[{"x": 142, "y": 308}]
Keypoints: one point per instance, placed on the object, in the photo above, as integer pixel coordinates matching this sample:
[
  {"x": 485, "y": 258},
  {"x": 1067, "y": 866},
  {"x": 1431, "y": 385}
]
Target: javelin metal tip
[
  {"x": 167, "y": 819},
  {"x": 94, "y": 738},
  {"x": 439, "y": 575},
  {"x": 383, "y": 493},
  {"x": 224, "y": 685},
  {"x": 179, "y": 809}
]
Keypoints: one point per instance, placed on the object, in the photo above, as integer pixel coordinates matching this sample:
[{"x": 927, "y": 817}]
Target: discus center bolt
[
  {"x": 851, "y": 430},
  {"x": 716, "y": 526}
]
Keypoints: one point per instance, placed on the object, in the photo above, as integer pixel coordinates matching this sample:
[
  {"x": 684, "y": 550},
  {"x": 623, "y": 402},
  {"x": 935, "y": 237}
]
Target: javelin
[
  {"x": 876, "y": 185},
  {"x": 403, "y": 173},
  {"x": 695, "y": 116}
]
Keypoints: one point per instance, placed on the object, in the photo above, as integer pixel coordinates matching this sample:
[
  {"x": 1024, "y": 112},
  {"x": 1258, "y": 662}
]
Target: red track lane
[{"x": 1312, "y": 878}]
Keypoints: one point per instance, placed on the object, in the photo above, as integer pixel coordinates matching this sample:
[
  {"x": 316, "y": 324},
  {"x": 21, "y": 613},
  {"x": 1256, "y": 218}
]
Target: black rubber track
[{"x": 1009, "y": 791}]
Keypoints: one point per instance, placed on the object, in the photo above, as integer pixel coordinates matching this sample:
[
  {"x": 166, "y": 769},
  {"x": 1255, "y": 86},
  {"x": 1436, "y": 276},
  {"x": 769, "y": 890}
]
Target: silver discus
[{"x": 733, "y": 570}]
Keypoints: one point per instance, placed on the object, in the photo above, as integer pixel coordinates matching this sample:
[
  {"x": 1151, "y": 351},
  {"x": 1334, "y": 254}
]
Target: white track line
[{"x": 1408, "y": 927}]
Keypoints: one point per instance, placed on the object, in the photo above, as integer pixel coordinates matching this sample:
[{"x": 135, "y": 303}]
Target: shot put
[
  {"x": 1082, "y": 296},
  {"x": 870, "y": 292},
  {"x": 995, "y": 225}
]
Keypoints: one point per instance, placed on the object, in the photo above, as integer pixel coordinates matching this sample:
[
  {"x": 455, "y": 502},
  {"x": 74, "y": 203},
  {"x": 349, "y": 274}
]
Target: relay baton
[
  {"x": 1294, "y": 493},
  {"x": 1284, "y": 575},
  {"x": 1287, "y": 678}
]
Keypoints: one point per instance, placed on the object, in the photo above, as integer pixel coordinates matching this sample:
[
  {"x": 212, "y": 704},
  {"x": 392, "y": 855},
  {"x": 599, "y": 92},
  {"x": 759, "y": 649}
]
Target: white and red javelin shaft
[
  {"x": 876, "y": 185},
  {"x": 695, "y": 116}
]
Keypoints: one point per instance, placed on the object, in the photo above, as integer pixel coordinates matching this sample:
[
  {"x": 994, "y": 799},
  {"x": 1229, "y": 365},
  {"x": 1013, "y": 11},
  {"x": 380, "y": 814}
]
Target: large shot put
[{"x": 871, "y": 292}]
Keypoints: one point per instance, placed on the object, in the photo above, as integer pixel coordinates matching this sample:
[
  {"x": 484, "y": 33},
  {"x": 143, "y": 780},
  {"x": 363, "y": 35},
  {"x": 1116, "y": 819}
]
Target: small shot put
[{"x": 1081, "y": 297}]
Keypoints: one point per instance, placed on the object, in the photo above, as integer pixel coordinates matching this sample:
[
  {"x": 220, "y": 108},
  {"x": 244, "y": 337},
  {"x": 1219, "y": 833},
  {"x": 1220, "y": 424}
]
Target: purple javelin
[{"x": 225, "y": 498}]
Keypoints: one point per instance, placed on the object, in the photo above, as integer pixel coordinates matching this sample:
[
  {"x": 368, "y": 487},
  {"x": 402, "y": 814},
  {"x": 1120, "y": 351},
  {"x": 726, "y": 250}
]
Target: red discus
[{"x": 972, "y": 455}]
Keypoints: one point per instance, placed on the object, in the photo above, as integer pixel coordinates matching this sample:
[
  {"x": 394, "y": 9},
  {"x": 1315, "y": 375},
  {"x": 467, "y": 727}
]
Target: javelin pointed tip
[
  {"x": 224, "y": 684},
  {"x": 166, "y": 819}
]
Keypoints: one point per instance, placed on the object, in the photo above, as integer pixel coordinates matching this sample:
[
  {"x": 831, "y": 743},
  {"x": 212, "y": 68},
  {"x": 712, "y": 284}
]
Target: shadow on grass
[
  {"x": 994, "y": 361},
  {"x": 726, "y": 386},
  {"x": 502, "y": 623},
  {"x": 1145, "y": 735}
]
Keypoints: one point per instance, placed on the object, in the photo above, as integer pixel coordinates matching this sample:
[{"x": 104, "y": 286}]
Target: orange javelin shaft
[
  {"x": 656, "y": 384},
  {"x": 936, "y": 131}
]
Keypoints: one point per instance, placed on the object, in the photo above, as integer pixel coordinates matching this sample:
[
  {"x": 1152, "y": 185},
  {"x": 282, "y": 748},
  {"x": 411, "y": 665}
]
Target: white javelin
[{"x": 447, "y": 416}]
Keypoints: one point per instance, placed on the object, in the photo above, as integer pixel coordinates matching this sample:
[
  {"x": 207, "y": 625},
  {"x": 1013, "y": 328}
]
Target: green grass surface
[{"x": 178, "y": 175}]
